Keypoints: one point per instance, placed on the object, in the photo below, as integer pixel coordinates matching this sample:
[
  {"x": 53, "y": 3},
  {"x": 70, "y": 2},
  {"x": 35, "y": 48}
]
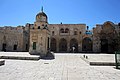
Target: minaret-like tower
[{"x": 40, "y": 35}]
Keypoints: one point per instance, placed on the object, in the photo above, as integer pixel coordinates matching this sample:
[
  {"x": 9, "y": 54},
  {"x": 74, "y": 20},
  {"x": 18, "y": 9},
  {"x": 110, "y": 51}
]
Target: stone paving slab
[{"x": 63, "y": 67}]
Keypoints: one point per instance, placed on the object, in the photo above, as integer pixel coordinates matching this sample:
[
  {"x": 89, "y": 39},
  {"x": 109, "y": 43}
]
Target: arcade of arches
[{"x": 71, "y": 46}]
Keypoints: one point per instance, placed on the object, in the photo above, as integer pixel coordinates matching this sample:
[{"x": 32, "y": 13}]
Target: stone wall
[
  {"x": 105, "y": 37},
  {"x": 13, "y": 38}
]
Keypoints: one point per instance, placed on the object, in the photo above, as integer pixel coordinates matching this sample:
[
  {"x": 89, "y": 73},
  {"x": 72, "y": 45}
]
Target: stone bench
[{"x": 2, "y": 62}]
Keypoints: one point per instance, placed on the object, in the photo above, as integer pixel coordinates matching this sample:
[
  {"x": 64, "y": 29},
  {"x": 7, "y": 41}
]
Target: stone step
[
  {"x": 21, "y": 57},
  {"x": 2, "y": 62}
]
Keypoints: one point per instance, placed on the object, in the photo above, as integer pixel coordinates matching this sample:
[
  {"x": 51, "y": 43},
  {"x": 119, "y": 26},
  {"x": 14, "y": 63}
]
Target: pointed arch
[
  {"x": 61, "y": 30},
  {"x": 66, "y": 30},
  {"x": 87, "y": 44},
  {"x": 73, "y": 43},
  {"x": 53, "y": 44},
  {"x": 63, "y": 45},
  {"x": 104, "y": 45}
]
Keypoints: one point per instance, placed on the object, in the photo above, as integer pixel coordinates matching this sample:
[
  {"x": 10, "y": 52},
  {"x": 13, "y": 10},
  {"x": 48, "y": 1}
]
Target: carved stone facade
[
  {"x": 106, "y": 37},
  {"x": 40, "y": 37}
]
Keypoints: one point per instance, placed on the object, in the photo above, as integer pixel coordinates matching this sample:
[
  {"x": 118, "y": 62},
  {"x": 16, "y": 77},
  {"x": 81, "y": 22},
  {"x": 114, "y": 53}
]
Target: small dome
[
  {"x": 41, "y": 14},
  {"x": 88, "y": 32}
]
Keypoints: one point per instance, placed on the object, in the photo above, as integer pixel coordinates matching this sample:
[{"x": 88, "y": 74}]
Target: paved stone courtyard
[{"x": 63, "y": 67}]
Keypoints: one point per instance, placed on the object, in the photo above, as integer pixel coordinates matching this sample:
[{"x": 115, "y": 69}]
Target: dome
[
  {"x": 88, "y": 32},
  {"x": 41, "y": 14}
]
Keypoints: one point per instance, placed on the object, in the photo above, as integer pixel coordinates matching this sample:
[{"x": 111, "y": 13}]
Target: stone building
[
  {"x": 66, "y": 36},
  {"x": 14, "y": 38},
  {"x": 106, "y": 37},
  {"x": 41, "y": 36}
]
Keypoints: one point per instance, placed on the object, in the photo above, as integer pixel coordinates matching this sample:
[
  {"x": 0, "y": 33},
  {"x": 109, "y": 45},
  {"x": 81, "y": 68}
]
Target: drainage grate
[{"x": 46, "y": 63}]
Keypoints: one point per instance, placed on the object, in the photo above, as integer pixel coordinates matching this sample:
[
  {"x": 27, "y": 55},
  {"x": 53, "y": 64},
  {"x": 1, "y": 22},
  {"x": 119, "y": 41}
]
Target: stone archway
[
  {"x": 63, "y": 45},
  {"x": 87, "y": 44},
  {"x": 104, "y": 45},
  {"x": 108, "y": 37},
  {"x": 73, "y": 43},
  {"x": 53, "y": 44},
  {"x": 4, "y": 47}
]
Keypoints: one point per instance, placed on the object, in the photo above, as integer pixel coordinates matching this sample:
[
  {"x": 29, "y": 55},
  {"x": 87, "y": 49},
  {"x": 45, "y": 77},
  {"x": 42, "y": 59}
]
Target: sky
[{"x": 89, "y": 12}]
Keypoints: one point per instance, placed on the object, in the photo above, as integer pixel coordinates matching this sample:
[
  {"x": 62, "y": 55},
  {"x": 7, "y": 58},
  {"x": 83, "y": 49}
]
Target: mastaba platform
[
  {"x": 99, "y": 59},
  {"x": 2, "y": 62},
  {"x": 18, "y": 56}
]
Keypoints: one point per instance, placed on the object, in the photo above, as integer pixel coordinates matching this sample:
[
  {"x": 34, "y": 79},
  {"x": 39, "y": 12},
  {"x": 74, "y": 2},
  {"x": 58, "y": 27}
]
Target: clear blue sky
[{"x": 90, "y": 12}]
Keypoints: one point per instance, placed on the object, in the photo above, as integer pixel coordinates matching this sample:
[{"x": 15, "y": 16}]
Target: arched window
[
  {"x": 38, "y": 27},
  {"x": 75, "y": 31},
  {"x": 53, "y": 33},
  {"x": 61, "y": 30},
  {"x": 80, "y": 32},
  {"x": 42, "y": 24},
  {"x": 66, "y": 30}
]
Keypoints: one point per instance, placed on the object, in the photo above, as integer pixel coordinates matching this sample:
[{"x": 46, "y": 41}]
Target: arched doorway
[
  {"x": 73, "y": 44},
  {"x": 53, "y": 44},
  {"x": 4, "y": 44},
  {"x": 104, "y": 45},
  {"x": 87, "y": 44},
  {"x": 63, "y": 45}
]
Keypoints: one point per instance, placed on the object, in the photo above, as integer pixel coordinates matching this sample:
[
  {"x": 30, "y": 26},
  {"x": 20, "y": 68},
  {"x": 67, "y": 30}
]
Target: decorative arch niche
[
  {"x": 87, "y": 44},
  {"x": 63, "y": 45},
  {"x": 73, "y": 43}
]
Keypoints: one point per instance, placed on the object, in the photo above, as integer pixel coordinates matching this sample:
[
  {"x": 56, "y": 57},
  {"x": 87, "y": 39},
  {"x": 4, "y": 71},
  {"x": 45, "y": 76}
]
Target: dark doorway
[
  {"x": 63, "y": 45},
  {"x": 15, "y": 47},
  {"x": 26, "y": 47},
  {"x": 48, "y": 43},
  {"x": 73, "y": 43},
  {"x": 4, "y": 47},
  {"x": 53, "y": 44},
  {"x": 104, "y": 45},
  {"x": 34, "y": 45},
  {"x": 87, "y": 44}
]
